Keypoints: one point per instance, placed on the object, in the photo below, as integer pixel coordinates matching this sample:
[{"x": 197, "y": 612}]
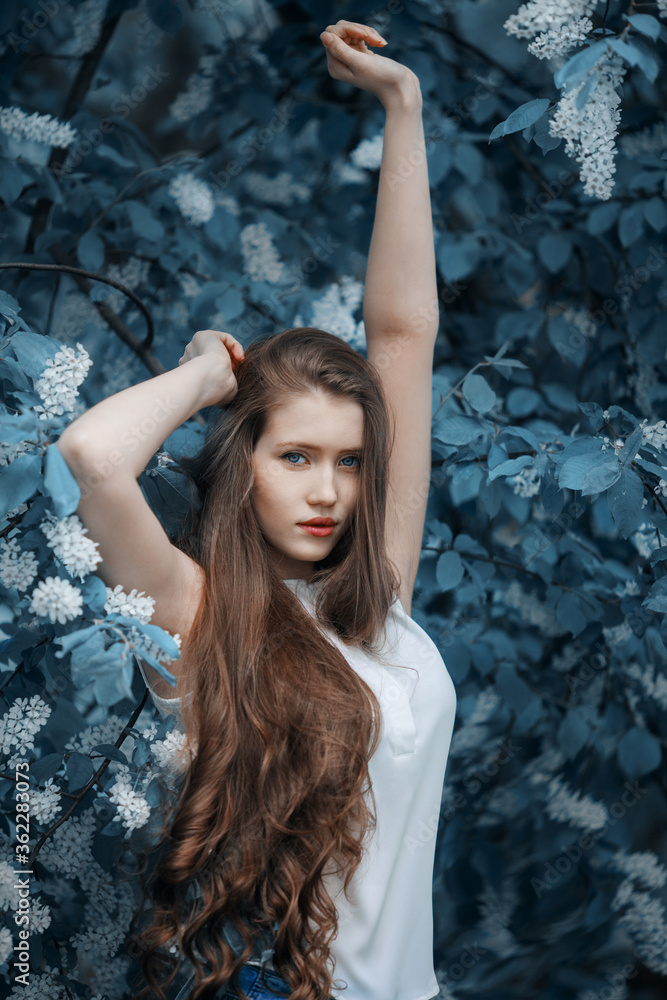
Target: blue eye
[{"x": 356, "y": 458}]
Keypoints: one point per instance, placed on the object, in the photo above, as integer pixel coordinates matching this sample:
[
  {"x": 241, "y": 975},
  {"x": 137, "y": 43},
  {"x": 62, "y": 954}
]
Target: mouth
[{"x": 319, "y": 526}]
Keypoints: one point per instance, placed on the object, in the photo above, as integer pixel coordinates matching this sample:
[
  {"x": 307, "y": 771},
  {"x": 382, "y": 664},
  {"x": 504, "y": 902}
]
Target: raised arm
[
  {"x": 401, "y": 313},
  {"x": 108, "y": 447}
]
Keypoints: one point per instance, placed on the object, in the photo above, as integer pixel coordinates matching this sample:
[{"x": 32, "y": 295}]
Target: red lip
[{"x": 323, "y": 521}]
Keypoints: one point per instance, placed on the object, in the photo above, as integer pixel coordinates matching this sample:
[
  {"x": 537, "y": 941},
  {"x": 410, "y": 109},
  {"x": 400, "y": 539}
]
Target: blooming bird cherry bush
[{"x": 200, "y": 157}]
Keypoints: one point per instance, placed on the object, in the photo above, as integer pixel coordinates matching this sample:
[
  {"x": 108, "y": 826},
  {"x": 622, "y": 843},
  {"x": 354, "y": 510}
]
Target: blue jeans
[
  {"x": 249, "y": 977},
  {"x": 252, "y": 984}
]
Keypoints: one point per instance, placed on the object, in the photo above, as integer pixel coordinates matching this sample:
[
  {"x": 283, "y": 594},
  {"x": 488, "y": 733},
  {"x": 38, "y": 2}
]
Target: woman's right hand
[{"x": 223, "y": 355}]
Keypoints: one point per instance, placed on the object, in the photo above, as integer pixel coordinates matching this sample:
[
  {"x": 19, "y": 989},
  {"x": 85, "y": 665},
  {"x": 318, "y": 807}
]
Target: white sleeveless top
[{"x": 384, "y": 944}]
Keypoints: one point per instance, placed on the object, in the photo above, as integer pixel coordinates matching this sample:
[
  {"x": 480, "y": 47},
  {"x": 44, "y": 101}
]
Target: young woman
[{"x": 298, "y": 857}]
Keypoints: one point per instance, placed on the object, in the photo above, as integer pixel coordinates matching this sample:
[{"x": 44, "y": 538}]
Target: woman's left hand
[{"x": 349, "y": 59}]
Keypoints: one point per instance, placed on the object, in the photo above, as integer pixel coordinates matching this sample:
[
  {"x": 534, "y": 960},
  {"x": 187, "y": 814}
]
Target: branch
[{"x": 95, "y": 778}]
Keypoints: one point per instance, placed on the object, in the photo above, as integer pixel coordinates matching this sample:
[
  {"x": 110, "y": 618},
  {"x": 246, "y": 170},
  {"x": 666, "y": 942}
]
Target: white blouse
[{"x": 384, "y": 945}]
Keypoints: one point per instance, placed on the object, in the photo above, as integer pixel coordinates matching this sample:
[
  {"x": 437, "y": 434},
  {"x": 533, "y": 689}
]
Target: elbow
[{"x": 76, "y": 451}]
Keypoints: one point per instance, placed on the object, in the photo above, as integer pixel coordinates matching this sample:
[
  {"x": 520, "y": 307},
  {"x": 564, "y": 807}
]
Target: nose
[{"x": 323, "y": 487}]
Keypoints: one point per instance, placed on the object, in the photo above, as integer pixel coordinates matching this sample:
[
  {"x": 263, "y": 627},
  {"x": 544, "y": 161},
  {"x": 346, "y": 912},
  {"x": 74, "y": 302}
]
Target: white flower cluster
[
  {"x": 19, "y": 725},
  {"x": 198, "y": 89},
  {"x": 227, "y": 201},
  {"x": 661, "y": 488},
  {"x": 656, "y": 434},
  {"x": 616, "y": 445},
  {"x": 67, "y": 537},
  {"x": 644, "y": 376},
  {"x": 87, "y": 21},
  {"x": 104, "y": 732},
  {"x": 654, "y": 686},
  {"x": 645, "y": 539},
  {"x": 6, "y": 944},
  {"x": 652, "y": 139},
  {"x": 279, "y": 190},
  {"x": 169, "y": 752},
  {"x": 9, "y": 895},
  {"x": 133, "y": 273},
  {"x": 59, "y": 382},
  {"x": 589, "y": 132},
  {"x": 496, "y": 906},
  {"x": 99, "y": 940},
  {"x": 570, "y": 654},
  {"x": 531, "y": 609},
  {"x": 45, "y": 805},
  {"x": 629, "y": 589},
  {"x": 558, "y": 40},
  {"x": 133, "y": 809},
  {"x": 539, "y": 770},
  {"x": 141, "y": 641},
  {"x": 468, "y": 739},
  {"x": 189, "y": 285},
  {"x": 56, "y": 598},
  {"x": 8, "y": 452},
  {"x": 617, "y": 633},
  {"x": 526, "y": 482},
  {"x": 566, "y": 806},
  {"x": 261, "y": 260},
  {"x": 334, "y": 311},
  {"x": 485, "y": 706},
  {"x": 662, "y": 8},
  {"x": 17, "y": 568},
  {"x": 541, "y": 15},
  {"x": 132, "y": 605},
  {"x": 368, "y": 154},
  {"x": 69, "y": 848},
  {"x": 642, "y": 866},
  {"x": 645, "y": 921},
  {"x": 36, "y": 128},
  {"x": 193, "y": 197}
]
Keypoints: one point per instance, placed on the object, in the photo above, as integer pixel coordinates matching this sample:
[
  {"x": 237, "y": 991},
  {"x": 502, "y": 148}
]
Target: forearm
[
  {"x": 401, "y": 293},
  {"x": 125, "y": 430}
]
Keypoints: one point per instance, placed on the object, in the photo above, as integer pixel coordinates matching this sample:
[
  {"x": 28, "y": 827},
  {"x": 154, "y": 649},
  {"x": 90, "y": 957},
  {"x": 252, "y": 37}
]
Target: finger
[
  {"x": 354, "y": 28},
  {"x": 339, "y": 49}
]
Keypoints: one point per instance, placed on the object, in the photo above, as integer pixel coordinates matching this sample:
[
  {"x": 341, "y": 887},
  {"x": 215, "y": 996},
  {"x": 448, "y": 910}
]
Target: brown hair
[{"x": 280, "y": 728}]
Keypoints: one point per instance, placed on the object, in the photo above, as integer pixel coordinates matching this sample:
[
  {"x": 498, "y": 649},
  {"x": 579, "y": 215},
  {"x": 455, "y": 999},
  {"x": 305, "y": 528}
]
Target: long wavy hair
[{"x": 274, "y": 790}]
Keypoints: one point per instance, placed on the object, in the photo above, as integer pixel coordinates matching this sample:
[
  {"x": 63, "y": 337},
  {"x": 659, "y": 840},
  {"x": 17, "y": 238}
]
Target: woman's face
[{"x": 306, "y": 465}]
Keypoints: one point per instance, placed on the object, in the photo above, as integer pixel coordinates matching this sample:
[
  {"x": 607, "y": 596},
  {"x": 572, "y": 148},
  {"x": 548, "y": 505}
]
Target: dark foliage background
[{"x": 199, "y": 155}]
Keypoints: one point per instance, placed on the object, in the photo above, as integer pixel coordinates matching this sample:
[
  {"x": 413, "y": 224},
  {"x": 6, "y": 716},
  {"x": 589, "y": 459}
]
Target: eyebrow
[{"x": 305, "y": 444}]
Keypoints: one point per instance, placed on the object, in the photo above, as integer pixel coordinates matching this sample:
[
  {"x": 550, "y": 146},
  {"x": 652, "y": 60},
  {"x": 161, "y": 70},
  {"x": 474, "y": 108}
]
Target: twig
[{"x": 95, "y": 778}]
